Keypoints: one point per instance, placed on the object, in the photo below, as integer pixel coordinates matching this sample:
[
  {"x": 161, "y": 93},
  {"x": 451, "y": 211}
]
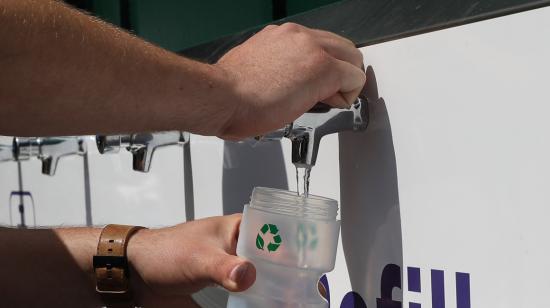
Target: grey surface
[
  {"x": 188, "y": 183},
  {"x": 370, "y": 209},
  {"x": 87, "y": 190},
  {"x": 247, "y": 165}
]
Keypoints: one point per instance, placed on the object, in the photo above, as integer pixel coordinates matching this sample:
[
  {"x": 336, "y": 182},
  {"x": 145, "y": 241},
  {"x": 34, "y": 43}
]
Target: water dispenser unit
[
  {"x": 141, "y": 145},
  {"x": 48, "y": 149}
]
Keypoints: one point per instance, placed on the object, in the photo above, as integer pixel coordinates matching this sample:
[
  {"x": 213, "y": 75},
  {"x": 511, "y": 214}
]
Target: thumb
[{"x": 231, "y": 272}]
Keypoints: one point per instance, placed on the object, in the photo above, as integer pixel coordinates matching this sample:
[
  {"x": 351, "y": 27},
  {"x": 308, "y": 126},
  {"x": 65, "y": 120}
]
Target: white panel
[
  {"x": 122, "y": 195},
  {"x": 468, "y": 111},
  {"x": 207, "y": 160},
  {"x": 58, "y": 199}
]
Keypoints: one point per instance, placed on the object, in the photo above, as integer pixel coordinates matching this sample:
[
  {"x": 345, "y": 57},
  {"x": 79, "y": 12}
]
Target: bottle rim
[{"x": 286, "y": 202}]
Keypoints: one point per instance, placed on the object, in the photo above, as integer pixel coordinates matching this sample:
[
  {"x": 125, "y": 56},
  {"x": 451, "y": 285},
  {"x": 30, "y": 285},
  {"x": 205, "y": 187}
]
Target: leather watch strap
[{"x": 111, "y": 262}]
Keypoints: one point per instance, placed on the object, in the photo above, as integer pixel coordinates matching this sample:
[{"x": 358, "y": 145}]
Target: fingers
[
  {"x": 346, "y": 69},
  {"x": 337, "y": 100},
  {"x": 231, "y": 272},
  {"x": 228, "y": 232},
  {"x": 348, "y": 80},
  {"x": 339, "y": 47},
  {"x": 352, "y": 79},
  {"x": 342, "y": 51},
  {"x": 241, "y": 277},
  {"x": 210, "y": 256},
  {"x": 226, "y": 269},
  {"x": 328, "y": 34}
]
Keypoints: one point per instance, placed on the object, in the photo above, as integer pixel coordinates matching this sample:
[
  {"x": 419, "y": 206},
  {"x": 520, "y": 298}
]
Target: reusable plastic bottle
[{"x": 292, "y": 241}]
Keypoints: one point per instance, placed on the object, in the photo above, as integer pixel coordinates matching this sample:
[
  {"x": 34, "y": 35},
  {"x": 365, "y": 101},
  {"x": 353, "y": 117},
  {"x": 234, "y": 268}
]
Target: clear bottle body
[{"x": 292, "y": 241}]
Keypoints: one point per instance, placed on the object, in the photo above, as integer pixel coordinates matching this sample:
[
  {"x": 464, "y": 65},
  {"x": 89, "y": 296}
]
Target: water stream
[{"x": 302, "y": 180}]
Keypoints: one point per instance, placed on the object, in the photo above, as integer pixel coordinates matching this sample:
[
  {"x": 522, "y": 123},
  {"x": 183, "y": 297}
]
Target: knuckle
[
  {"x": 218, "y": 262},
  {"x": 317, "y": 64},
  {"x": 269, "y": 27},
  {"x": 236, "y": 215},
  {"x": 234, "y": 228},
  {"x": 320, "y": 59},
  {"x": 291, "y": 27},
  {"x": 309, "y": 41},
  {"x": 349, "y": 42},
  {"x": 358, "y": 56},
  {"x": 230, "y": 231}
]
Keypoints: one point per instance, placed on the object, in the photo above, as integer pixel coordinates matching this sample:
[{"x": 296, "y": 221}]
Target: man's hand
[
  {"x": 282, "y": 71},
  {"x": 185, "y": 258},
  {"x": 166, "y": 264},
  {"x": 65, "y": 73}
]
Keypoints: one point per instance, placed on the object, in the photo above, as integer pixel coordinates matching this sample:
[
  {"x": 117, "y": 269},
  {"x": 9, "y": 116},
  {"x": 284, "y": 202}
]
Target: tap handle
[
  {"x": 25, "y": 147},
  {"x": 320, "y": 107},
  {"x": 112, "y": 143},
  {"x": 276, "y": 134}
]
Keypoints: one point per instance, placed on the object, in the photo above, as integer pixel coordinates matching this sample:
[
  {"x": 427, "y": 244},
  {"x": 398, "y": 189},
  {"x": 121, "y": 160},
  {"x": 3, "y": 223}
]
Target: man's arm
[
  {"x": 33, "y": 262},
  {"x": 66, "y": 73},
  {"x": 53, "y": 267}
]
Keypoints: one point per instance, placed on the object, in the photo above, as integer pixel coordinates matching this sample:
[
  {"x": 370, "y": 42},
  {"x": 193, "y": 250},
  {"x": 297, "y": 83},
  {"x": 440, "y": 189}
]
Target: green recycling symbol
[{"x": 273, "y": 230}]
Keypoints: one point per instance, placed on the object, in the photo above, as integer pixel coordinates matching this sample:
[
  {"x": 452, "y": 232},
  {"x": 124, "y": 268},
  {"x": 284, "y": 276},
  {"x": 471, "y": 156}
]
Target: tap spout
[
  {"x": 308, "y": 129},
  {"x": 48, "y": 149},
  {"x": 142, "y": 146}
]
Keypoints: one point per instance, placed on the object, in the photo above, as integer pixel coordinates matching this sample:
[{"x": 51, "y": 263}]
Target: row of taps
[{"x": 305, "y": 135}]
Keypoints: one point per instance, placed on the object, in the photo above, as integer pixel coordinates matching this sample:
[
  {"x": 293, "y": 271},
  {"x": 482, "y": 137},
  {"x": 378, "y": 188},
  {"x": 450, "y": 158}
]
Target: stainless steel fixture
[
  {"x": 306, "y": 132},
  {"x": 48, "y": 149},
  {"x": 141, "y": 145}
]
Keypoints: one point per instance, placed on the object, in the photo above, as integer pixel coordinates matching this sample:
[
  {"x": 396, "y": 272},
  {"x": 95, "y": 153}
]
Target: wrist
[
  {"x": 228, "y": 98},
  {"x": 136, "y": 254}
]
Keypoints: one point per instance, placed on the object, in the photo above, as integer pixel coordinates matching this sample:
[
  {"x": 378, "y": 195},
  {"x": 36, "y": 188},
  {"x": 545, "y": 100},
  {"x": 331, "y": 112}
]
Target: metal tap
[
  {"x": 48, "y": 149},
  {"x": 142, "y": 145},
  {"x": 306, "y": 132}
]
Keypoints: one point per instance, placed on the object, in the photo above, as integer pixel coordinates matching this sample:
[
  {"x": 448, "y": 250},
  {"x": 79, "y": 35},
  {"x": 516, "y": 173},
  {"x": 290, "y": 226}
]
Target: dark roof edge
[{"x": 369, "y": 22}]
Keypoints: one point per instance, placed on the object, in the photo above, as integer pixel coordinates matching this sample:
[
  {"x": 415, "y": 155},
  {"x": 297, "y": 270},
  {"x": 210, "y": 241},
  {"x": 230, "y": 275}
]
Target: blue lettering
[{"x": 391, "y": 278}]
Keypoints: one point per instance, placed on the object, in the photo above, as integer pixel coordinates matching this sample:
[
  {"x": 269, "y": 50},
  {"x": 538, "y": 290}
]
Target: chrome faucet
[
  {"x": 306, "y": 132},
  {"x": 48, "y": 149},
  {"x": 142, "y": 145},
  {"x": 6, "y": 153}
]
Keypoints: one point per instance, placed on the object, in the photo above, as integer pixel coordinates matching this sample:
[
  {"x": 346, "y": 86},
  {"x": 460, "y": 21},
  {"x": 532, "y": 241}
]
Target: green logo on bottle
[
  {"x": 274, "y": 231},
  {"x": 307, "y": 236}
]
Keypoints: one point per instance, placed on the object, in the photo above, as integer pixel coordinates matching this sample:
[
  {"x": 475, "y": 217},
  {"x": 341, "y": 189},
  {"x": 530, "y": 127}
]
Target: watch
[{"x": 111, "y": 263}]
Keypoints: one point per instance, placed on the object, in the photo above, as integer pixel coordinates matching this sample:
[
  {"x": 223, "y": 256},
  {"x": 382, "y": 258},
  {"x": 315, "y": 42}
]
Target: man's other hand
[
  {"x": 282, "y": 71},
  {"x": 185, "y": 258}
]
